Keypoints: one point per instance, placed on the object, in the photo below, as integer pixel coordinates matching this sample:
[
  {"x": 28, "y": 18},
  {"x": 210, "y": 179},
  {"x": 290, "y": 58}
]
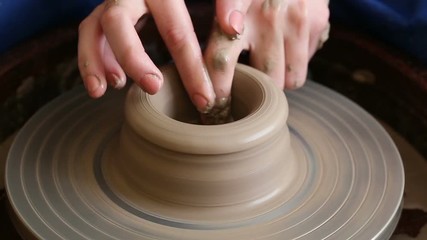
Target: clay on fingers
[
  {"x": 220, "y": 60},
  {"x": 219, "y": 114}
]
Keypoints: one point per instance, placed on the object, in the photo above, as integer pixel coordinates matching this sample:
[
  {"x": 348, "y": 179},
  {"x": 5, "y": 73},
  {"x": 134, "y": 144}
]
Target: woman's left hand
[{"x": 280, "y": 35}]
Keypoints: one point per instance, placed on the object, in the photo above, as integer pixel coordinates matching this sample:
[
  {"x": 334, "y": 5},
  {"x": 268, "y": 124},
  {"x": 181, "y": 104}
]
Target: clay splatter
[
  {"x": 271, "y": 4},
  {"x": 219, "y": 35},
  {"x": 268, "y": 66},
  {"x": 219, "y": 114},
  {"x": 221, "y": 60},
  {"x": 288, "y": 68}
]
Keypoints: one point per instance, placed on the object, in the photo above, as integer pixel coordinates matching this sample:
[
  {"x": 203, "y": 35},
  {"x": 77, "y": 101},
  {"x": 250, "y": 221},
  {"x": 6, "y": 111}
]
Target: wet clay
[
  {"x": 205, "y": 170},
  {"x": 219, "y": 114},
  {"x": 268, "y": 66},
  {"x": 221, "y": 59}
]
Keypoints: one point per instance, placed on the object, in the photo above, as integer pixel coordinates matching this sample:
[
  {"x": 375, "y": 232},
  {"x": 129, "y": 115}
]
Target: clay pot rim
[{"x": 242, "y": 134}]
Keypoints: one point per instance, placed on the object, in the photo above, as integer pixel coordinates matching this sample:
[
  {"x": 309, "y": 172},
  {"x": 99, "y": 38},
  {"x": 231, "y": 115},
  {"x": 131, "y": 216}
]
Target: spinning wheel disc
[{"x": 352, "y": 185}]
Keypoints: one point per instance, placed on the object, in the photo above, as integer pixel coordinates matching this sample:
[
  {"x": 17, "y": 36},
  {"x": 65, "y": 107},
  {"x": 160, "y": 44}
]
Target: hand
[
  {"x": 109, "y": 47},
  {"x": 280, "y": 35}
]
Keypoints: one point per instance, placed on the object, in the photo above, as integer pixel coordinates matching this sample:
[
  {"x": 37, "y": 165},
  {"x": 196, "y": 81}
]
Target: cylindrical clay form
[{"x": 166, "y": 156}]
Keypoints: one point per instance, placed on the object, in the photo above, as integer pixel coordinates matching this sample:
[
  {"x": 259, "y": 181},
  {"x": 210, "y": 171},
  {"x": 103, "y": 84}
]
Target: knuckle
[
  {"x": 176, "y": 37},
  {"x": 321, "y": 21},
  {"x": 273, "y": 11},
  {"x": 272, "y": 18},
  {"x": 83, "y": 24},
  {"x": 297, "y": 13},
  {"x": 110, "y": 15},
  {"x": 89, "y": 20}
]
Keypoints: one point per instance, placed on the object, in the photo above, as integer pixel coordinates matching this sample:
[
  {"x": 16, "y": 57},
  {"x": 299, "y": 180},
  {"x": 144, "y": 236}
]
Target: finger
[
  {"x": 318, "y": 40},
  {"x": 319, "y": 26},
  {"x": 118, "y": 22},
  {"x": 90, "y": 44},
  {"x": 221, "y": 56},
  {"x": 267, "y": 53},
  {"x": 268, "y": 56},
  {"x": 296, "y": 45},
  {"x": 230, "y": 15},
  {"x": 178, "y": 33},
  {"x": 115, "y": 75}
]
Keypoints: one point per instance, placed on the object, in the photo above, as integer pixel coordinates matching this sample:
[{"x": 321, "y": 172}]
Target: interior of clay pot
[{"x": 174, "y": 102}]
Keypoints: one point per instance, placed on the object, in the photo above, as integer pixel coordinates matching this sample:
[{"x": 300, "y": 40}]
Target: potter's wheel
[{"x": 352, "y": 182}]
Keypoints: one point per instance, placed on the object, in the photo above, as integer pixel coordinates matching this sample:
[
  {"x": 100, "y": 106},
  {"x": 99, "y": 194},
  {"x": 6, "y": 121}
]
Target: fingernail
[
  {"x": 92, "y": 83},
  {"x": 115, "y": 81},
  {"x": 201, "y": 103},
  {"x": 236, "y": 21},
  {"x": 151, "y": 83}
]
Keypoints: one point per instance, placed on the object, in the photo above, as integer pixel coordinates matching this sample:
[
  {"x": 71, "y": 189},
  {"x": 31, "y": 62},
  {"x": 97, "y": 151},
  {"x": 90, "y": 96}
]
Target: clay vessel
[{"x": 168, "y": 162}]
